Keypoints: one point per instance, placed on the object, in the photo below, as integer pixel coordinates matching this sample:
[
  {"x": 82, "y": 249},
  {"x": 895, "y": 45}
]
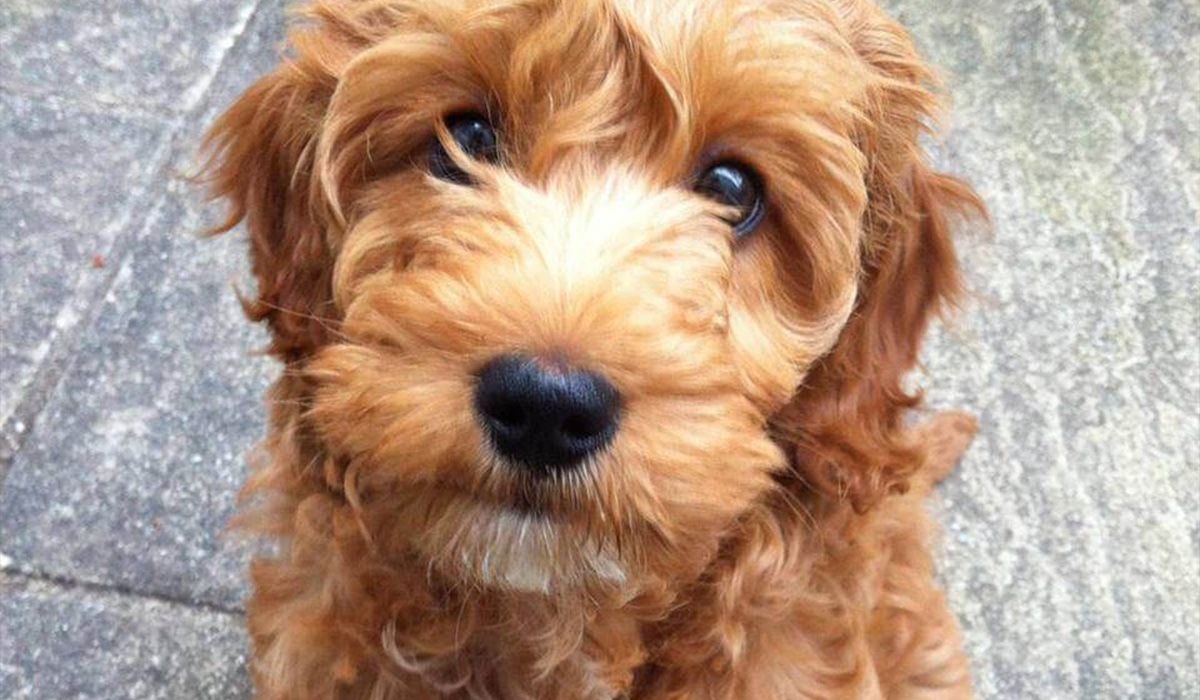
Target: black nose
[{"x": 545, "y": 417}]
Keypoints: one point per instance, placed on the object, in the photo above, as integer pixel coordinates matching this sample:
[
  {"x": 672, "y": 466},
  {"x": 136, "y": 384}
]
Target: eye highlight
[
  {"x": 475, "y": 136},
  {"x": 736, "y": 185}
]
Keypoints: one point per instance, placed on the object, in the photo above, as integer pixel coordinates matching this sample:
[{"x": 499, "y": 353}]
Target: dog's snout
[{"x": 545, "y": 417}]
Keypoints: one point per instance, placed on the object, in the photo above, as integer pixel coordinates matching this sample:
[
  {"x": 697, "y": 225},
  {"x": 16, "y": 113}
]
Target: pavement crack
[{"x": 7, "y": 576}]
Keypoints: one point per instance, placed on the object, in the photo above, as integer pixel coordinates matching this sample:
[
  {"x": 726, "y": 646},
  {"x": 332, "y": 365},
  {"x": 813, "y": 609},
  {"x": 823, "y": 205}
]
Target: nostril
[
  {"x": 507, "y": 415},
  {"x": 584, "y": 426}
]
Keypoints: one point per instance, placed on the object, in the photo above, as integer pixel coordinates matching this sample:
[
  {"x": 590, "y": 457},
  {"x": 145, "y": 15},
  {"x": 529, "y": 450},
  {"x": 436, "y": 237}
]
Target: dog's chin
[{"x": 515, "y": 547}]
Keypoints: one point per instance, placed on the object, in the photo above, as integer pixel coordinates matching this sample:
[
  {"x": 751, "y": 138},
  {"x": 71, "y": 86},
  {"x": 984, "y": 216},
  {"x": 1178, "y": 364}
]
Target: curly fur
[{"x": 755, "y": 529}]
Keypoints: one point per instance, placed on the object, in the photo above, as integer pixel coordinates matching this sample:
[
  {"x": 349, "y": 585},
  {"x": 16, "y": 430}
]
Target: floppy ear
[
  {"x": 259, "y": 158},
  {"x": 846, "y": 422}
]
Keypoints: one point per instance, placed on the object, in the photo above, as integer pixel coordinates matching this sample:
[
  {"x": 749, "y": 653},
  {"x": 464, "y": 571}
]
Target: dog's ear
[
  {"x": 846, "y": 422},
  {"x": 260, "y": 160}
]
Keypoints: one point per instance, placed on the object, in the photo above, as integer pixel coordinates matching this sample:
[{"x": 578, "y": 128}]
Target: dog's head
[{"x": 575, "y": 284}]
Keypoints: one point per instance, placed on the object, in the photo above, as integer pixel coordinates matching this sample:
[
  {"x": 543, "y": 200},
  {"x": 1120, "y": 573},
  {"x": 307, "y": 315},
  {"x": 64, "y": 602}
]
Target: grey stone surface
[
  {"x": 1071, "y": 550},
  {"x": 161, "y": 401},
  {"x": 139, "y": 55},
  {"x": 71, "y": 180},
  {"x": 255, "y": 54},
  {"x": 131, "y": 471},
  {"x": 76, "y": 644},
  {"x": 1072, "y": 536}
]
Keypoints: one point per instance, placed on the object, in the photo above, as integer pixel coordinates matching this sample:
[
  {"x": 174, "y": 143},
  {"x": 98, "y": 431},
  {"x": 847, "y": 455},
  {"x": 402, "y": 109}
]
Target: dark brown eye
[
  {"x": 475, "y": 136},
  {"x": 734, "y": 185}
]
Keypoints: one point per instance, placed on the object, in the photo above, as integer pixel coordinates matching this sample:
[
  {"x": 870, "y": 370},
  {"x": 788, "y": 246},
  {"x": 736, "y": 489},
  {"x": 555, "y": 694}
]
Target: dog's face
[{"x": 571, "y": 261}]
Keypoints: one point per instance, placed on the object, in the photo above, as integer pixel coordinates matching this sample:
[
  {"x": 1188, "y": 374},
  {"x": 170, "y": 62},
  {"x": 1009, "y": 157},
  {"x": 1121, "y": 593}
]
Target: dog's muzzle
[{"x": 545, "y": 416}]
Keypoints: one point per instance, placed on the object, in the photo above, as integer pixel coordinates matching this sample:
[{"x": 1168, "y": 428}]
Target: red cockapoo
[{"x": 595, "y": 315}]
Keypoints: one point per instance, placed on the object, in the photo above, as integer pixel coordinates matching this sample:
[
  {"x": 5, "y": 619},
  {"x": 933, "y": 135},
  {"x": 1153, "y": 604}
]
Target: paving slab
[
  {"x": 79, "y": 644},
  {"x": 130, "y": 473},
  {"x": 132, "y": 469},
  {"x": 138, "y": 55},
  {"x": 257, "y": 51},
  {"x": 72, "y": 181},
  {"x": 1071, "y": 528}
]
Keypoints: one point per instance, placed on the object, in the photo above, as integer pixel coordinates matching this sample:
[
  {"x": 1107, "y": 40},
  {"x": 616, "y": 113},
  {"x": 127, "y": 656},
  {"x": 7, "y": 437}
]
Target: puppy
[{"x": 594, "y": 317}]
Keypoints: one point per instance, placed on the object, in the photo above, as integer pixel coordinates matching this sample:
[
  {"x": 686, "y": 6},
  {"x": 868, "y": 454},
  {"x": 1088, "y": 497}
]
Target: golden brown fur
[{"x": 755, "y": 529}]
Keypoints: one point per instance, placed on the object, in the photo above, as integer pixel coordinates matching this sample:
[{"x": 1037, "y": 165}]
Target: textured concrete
[
  {"x": 70, "y": 181},
  {"x": 66, "y": 642},
  {"x": 1072, "y": 552},
  {"x": 159, "y": 404},
  {"x": 138, "y": 55},
  {"x": 127, "y": 396},
  {"x": 160, "y": 388}
]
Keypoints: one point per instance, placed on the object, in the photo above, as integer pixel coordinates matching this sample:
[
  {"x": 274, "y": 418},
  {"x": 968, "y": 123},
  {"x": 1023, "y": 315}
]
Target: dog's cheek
[
  {"x": 687, "y": 467},
  {"x": 396, "y": 419},
  {"x": 775, "y": 336},
  {"x": 768, "y": 367}
]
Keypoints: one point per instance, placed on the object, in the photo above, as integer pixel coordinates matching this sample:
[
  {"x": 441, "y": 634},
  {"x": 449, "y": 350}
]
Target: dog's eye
[
  {"x": 474, "y": 135},
  {"x": 734, "y": 185}
]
